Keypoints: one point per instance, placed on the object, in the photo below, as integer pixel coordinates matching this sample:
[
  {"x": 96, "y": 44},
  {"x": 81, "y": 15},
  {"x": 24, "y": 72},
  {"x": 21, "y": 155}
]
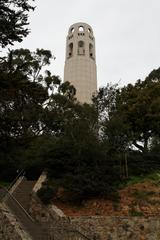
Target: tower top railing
[{"x": 80, "y": 27}]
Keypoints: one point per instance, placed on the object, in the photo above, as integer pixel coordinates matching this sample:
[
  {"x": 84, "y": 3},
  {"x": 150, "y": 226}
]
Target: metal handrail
[
  {"x": 17, "y": 202},
  {"x": 8, "y": 191},
  {"x": 14, "y": 181}
]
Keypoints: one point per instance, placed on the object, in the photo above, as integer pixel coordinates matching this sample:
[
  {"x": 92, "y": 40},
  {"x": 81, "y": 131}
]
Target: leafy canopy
[{"x": 13, "y": 20}]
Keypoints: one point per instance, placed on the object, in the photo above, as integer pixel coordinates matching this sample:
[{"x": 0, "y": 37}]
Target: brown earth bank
[{"x": 141, "y": 199}]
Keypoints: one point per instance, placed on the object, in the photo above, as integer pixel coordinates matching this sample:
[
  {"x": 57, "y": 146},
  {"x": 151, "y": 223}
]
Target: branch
[{"x": 141, "y": 148}]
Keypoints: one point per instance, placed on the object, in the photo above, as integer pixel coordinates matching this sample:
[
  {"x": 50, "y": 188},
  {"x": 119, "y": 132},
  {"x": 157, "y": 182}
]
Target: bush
[
  {"x": 83, "y": 170},
  {"x": 46, "y": 194}
]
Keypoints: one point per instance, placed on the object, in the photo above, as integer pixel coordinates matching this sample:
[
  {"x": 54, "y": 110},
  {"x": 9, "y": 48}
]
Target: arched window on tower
[
  {"x": 72, "y": 30},
  {"x": 81, "y": 49},
  {"x": 91, "y": 53},
  {"x": 81, "y": 29},
  {"x": 70, "y": 50}
]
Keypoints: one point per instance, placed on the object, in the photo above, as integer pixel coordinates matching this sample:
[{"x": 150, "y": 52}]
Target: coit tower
[{"x": 80, "y": 63}]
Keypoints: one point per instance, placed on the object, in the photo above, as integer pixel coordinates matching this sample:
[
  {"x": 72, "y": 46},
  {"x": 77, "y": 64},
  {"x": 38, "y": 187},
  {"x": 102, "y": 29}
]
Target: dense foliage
[
  {"x": 13, "y": 20},
  {"x": 87, "y": 150}
]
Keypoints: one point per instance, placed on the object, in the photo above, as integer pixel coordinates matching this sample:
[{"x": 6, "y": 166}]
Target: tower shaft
[{"x": 80, "y": 63}]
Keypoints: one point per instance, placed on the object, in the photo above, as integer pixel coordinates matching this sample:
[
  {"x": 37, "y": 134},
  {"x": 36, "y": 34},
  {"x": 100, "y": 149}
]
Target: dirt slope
[{"x": 141, "y": 199}]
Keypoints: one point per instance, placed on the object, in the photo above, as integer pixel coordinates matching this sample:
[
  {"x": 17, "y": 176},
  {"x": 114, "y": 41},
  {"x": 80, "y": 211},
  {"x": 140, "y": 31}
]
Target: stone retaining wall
[
  {"x": 95, "y": 228},
  {"x": 120, "y": 228},
  {"x": 10, "y": 229}
]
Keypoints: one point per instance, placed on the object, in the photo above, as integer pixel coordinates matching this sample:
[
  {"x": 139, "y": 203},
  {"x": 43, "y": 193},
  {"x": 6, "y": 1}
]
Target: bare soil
[{"x": 141, "y": 199}]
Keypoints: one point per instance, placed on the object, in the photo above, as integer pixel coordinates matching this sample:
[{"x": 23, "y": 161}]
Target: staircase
[
  {"x": 18, "y": 199},
  {"x": 18, "y": 203},
  {"x": 23, "y": 193}
]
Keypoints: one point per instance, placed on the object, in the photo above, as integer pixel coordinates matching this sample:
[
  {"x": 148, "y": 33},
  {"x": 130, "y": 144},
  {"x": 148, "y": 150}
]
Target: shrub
[{"x": 46, "y": 194}]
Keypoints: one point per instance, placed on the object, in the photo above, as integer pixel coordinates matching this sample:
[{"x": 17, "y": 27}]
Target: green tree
[
  {"x": 13, "y": 20},
  {"x": 139, "y": 106},
  {"x": 28, "y": 103},
  {"x": 22, "y": 99},
  {"x": 76, "y": 159}
]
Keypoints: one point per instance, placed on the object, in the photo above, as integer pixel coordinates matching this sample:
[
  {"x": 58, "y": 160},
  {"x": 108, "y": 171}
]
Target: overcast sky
[{"x": 127, "y": 35}]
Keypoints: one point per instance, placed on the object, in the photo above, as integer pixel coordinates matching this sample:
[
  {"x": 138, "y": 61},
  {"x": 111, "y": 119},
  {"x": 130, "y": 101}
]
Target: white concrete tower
[{"x": 80, "y": 64}]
